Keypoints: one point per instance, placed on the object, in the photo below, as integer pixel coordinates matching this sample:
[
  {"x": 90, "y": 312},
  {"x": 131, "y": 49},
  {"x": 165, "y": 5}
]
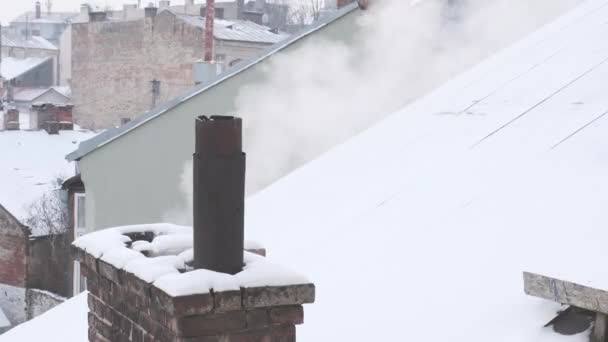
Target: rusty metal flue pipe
[{"x": 219, "y": 194}]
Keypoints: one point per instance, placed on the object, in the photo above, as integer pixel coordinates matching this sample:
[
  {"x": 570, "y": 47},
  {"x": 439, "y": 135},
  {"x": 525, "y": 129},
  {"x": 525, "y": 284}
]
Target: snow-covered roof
[
  {"x": 112, "y": 134},
  {"x": 34, "y": 42},
  {"x": 66, "y": 322},
  {"x": 236, "y": 30},
  {"x": 432, "y": 216},
  {"x": 4, "y": 322},
  {"x": 45, "y": 17},
  {"x": 30, "y": 162},
  {"x": 14, "y": 67},
  {"x": 31, "y": 94}
]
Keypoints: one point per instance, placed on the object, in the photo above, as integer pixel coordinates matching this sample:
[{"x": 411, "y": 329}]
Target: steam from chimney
[{"x": 401, "y": 50}]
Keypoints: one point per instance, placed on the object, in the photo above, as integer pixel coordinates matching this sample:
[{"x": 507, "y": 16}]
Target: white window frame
[{"x": 78, "y": 232}]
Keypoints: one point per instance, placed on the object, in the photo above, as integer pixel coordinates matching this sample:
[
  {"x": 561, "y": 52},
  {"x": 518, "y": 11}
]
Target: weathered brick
[
  {"x": 306, "y": 293},
  {"x": 258, "y": 318},
  {"x": 216, "y": 324},
  {"x": 102, "y": 328},
  {"x": 227, "y": 301},
  {"x": 202, "y": 339},
  {"x": 136, "y": 286},
  {"x": 77, "y": 253},
  {"x": 284, "y": 315},
  {"x": 257, "y": 297},
  {"x": 109, "y": 272},
  {"x": 95, "y": 337},
  {"x": 91, "y": 262},
  {"x": 199, "y": 304},
  {"x": 285, "y": 333}
]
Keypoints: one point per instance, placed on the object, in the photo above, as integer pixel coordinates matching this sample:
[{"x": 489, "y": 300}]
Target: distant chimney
[
  {"x": 219, "y": 12},
  {"x": 254, "y": 16},
  {"x": 240, "y": 7},
  {"x": 164, "y": 4},
  {"x": 260, "y": 5},
  {"x": 38, "y": 10},
  {"x": 204, "y": 72},
  {"x": 150, "y": 11},
  {"x": 85, "y": 9},
  {"x": 342, "y": 3},
  {"x": 11, "y": 120},
  {"x": 209, "y": 27},
  {"x": 97, "y": 16},
  {"x": 128, "y": 10}
]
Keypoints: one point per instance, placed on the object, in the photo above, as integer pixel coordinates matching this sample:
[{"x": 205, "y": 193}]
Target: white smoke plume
[{"x": 325, "y": 92}]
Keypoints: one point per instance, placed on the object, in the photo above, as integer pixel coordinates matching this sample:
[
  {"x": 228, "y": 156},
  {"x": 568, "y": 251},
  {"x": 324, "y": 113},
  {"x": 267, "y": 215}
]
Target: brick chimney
[
  {"x": 96, "y": 16},
  {"x": 129, "y": 302},
  {"x": 38, "y": 10},
  {"x": 150, "y": 11},
  {"x": 209, "y": 27},
  {"x": 11, "y": 119},
  {"x": 240, "y": 7}
]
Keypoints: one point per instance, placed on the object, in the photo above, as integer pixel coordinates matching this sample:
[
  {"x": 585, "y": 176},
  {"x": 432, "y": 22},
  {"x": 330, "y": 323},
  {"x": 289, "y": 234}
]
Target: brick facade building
[
  {"x": 121, "y": 69},
  {"x": 34, "y": 271}
]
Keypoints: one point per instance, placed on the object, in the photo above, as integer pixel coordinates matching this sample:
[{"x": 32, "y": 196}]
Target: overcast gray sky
[{"x": 9, "y": 9}]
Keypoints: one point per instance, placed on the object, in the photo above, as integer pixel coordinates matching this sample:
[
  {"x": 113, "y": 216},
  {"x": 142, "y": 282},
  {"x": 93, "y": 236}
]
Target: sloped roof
[
  {"x": 237, "y": 30},
  {"x": 66, "y": 322},
  {"x": 426, "y": 222},
  {"x": 45, "y": 17},
  {"x": 31, "y": 162},
  {"x": 34, "y": 42},
  {"x": 31, "y": 94},
  {"x": 110, "y": 135},
  {"x": 14, "y": 67}
]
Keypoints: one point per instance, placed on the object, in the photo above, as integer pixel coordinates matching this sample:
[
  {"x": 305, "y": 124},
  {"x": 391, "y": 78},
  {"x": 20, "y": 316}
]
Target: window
[
  {"x": 80, "y": 282},
  {"x": 79, "y": 215}
]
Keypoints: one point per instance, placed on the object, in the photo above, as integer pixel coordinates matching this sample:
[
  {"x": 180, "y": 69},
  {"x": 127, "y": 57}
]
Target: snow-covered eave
[
  {"x": 111, "y": 135},
  {"x": 26, "y": 230}
]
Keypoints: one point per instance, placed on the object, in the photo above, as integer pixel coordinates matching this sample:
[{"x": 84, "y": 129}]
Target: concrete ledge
[{"x": 565, "y": 292}]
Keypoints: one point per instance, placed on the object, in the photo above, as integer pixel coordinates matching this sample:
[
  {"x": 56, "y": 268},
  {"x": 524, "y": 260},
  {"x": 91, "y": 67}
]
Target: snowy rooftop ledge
[{"x": 162, "y": 254}]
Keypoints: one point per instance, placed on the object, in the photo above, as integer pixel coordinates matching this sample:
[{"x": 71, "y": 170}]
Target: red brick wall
[{"x": 13, "y": 251}]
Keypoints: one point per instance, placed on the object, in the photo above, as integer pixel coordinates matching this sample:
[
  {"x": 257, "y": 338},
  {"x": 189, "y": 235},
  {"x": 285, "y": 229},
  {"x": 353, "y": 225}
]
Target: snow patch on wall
[
  {"x": 13, "y": 303},
  {"x": 40, "y": 301}
]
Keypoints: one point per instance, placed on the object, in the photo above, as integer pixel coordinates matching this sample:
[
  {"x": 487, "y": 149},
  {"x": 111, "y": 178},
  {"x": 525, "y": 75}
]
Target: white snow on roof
[
  {"x": 34, "y": 42},
  {"x": 30, "y": 161},
  {"x": 420, "y": 228},
  {"x": 45, "y": 17},
  {"x": 237, "y": 30},
  {"x": 4, "y": 322},
  {"x": 170, "y": 251},
  {"x": 426, "y": 222},
  {"x": 13, "y": 67},
  {"x": 66, "y": 322},
  {"x": 31, "y": 94}
]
